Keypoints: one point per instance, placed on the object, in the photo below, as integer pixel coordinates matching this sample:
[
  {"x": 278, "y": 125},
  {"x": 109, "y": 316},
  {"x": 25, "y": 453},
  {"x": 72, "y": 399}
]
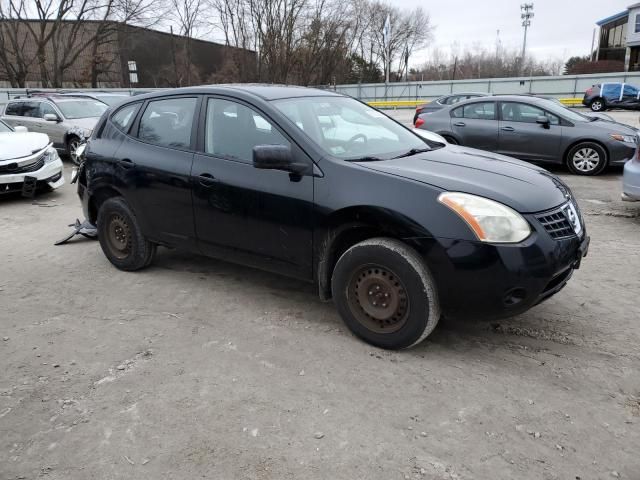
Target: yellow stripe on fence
[{"x": 571, "y": 102}]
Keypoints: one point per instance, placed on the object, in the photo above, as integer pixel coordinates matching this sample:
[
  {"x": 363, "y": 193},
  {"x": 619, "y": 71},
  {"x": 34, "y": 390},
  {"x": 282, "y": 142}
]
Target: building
[
  {"x": 619, "y": 38},
  {"x": 102, "y": 54}
]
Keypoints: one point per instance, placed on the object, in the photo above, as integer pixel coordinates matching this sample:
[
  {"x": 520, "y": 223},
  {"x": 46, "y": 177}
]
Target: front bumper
[
  {"x": 621, "y": 152},
  {"x": 481, "y": 280},
  {"x": 49, "y": 175},
  {"x": 631, "y": 181}
]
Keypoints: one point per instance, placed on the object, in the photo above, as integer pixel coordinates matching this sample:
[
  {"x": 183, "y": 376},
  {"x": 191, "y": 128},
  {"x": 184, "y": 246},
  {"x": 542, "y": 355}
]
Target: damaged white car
[{"x": 28, "y": 161}]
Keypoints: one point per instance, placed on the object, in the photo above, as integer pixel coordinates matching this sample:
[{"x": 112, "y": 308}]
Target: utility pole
[{"x": 526, "y": 16}]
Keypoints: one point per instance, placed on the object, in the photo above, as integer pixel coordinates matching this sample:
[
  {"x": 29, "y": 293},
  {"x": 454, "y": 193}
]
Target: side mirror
[
  {"x": 544, "y": 121},
  {"x": 20, "y": 128},
  {"x": 276, "y": 157},
  {"x": 51, "y": 117}
]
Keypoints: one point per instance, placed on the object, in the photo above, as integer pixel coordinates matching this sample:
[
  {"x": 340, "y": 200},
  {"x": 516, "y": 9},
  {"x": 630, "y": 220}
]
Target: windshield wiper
[
  {"x": 364, "y": 159},
  {"x": 414, "y": 151}
]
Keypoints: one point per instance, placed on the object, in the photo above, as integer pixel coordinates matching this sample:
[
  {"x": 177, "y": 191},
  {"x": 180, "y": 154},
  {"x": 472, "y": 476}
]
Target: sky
[{"x": 559, "y": 29}]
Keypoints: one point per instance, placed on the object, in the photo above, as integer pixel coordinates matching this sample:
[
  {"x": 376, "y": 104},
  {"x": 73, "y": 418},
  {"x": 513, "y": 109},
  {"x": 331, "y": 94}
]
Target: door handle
[
  {"x": 508, "y": 129},
  {"x": 459, "y": 124},
  {"x": 207, "y": 180},
  {"x": 126, "y": 163}
]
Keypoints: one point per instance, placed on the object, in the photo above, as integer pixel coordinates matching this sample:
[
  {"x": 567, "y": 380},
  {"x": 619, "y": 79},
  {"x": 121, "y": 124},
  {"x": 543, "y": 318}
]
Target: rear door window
[
  {"x": 31, "y": 109},
  {"x": 480, "y": 111},
  {"x": 168, "y": 122}
]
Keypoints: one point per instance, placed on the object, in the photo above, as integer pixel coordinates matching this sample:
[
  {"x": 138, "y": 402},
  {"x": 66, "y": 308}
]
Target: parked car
[
  {"x": 599, "y": 97},
  {"x": 536, "y": 130},
  {"x": 66, "y": 120},
  {"x": 631, "y": 181},
  {"x": 396, "y": 232},
  {"x": 27, "y": 161},
  {"x": 444, "y": 101}
]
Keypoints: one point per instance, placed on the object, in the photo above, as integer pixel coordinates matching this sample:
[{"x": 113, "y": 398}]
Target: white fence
[{"x": 562, "y": 86}]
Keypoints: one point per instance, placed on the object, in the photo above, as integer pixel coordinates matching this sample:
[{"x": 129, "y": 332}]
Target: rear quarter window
[{"x": 14, "y": 109}]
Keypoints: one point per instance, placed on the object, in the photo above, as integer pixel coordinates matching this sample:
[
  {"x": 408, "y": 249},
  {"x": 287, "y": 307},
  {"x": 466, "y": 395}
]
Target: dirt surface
[{"x": 196, "y": 368}]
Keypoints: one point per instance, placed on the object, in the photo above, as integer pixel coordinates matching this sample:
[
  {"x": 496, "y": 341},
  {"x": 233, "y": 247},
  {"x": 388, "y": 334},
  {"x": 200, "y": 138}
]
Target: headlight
[
  {"x": 491, "y": 221},
  {"x": 623, "y": 138},
  {"x": 51, "y": 155}
]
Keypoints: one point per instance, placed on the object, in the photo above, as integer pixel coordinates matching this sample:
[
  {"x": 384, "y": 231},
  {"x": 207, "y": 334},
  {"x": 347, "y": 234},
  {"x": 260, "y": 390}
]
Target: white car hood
[{"x": 15, "y": 145}]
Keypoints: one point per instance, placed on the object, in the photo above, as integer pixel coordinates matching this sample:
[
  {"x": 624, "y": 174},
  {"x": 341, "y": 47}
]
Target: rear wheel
[
  {"x": 597, "y": 105},
  {"x": 385, "y": 294},
  {"x": 451, "y": 140},
  {"x": 586, "y": 158},
  {"x": 121, "y": 238}
]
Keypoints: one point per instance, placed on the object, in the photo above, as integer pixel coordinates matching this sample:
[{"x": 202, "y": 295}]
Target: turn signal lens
[{"x": 491, "y": 221}]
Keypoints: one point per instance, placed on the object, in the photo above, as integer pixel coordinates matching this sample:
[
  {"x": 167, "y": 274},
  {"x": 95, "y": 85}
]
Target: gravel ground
[{"x": 196, "y": 368}]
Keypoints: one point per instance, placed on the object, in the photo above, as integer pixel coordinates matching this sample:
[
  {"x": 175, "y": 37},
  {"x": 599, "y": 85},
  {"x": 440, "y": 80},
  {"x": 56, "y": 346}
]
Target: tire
[
  {"x": 385, "y": 293},
  {"x": 450, "y": 140},
  {"x": 586, "y": 158},
  {"x": 598, "y": 105},
  {"x": 73, "y": 143},
  {"x": 121, "y": 238}
]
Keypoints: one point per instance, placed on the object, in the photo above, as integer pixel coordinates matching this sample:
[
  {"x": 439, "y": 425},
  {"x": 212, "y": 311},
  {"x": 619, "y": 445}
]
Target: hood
[
  {"x": 613, "y": 127},
  {"x": 520, "y": 185},
  {"x": 85, "y": 123},
  {"x": 14, "y": 145}
]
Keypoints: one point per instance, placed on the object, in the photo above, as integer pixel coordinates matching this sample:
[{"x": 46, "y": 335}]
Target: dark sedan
[
  {"x": 444, "y": 101},
  {"x": 536, "y": 130},
  {"x": 321, "y": 187}
]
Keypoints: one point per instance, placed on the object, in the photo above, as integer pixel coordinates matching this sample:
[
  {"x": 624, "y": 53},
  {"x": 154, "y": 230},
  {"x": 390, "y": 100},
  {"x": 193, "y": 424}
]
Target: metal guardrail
[{"x": 570, "y": 102}]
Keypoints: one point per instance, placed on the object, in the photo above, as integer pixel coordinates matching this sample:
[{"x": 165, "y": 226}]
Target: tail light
[
  {"x": 589, "y": 91},
  {"x": 419, "y": 122}
]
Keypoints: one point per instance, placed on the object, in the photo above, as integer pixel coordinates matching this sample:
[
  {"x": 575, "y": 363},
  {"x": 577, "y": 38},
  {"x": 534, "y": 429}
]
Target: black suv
[
  {"x": 599, "y": 97},
  {"x": 322, "y": 187}
]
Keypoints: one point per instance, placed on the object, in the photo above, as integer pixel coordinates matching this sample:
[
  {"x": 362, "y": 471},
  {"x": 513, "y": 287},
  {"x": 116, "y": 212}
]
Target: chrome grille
[
  {"x": 556, "y": 223},
  {"x": 16, "y": 167}
]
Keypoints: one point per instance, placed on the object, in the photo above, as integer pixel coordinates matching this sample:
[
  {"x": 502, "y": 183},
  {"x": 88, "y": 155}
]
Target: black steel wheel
[
  {"x": 120, "y": 236},
  {"x": 385, "y": 293}
]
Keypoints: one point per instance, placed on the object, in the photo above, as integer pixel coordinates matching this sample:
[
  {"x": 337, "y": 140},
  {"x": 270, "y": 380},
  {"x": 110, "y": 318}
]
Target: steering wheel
[{"x": 355, "y": 138}]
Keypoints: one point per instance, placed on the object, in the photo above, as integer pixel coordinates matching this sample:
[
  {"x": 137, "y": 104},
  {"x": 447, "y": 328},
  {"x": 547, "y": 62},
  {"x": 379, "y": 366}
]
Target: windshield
[
  {"x": 72, "y": 109},
  {"x": 4, "y": 128},
  {"x": 348, "y": 129}
]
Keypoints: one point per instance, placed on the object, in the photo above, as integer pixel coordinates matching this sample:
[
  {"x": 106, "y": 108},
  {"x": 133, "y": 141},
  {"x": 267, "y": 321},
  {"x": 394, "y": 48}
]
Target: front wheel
[
  {"x": 121, "y": 238},
  {"x": 597, "y": 105},
  {"x": 385, "y": 293},
  {"x": 587, "y": 158},
  {"x": 72, "y": 149}
]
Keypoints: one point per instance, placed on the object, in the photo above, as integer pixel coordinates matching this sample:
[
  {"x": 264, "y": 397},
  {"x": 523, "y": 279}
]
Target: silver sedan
[{"x": 535, "y": 130}]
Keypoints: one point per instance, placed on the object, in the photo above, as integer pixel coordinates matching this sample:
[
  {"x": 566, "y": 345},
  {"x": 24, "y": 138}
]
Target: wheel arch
[
  {"x": 98, "y": 196},
  {"x": 348, "y": 226}
]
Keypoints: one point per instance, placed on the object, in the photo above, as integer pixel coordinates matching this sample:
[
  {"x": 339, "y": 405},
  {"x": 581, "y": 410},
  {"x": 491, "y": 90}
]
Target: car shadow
[{"x": 287, "y": 294}]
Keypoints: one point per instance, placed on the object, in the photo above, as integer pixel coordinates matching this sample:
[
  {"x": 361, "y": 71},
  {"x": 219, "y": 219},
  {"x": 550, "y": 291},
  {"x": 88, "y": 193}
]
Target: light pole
[{"x": 526, "y": 16}]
